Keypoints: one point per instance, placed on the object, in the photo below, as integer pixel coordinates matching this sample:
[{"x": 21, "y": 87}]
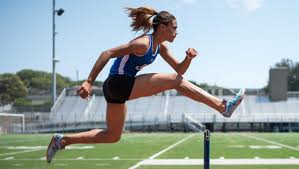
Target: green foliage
[
  {"x": 32, "y": 82},
  {"x": 41, "y": 82},
  {"x": 11, "y": 87}
]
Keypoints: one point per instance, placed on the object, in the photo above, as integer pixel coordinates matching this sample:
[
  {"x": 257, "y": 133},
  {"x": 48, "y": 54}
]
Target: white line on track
[
  {"x": 163, "y": 151},
  {"x": 60, "y": 164},
  {"x": 18, "y": 152},
  {"x": 269, "y": 141},
  {"x": 9, "y": 158},
  {"x": 115, "y": 158},
  {"x": 170, "y": 147},
  {"x": 246, "y": 161},
  {"x": 104, "y": 164},
  {"x": 74, "y": 159},
  {"x": 80, "y": 158},
  {"x": 221, "y": 162},
  {"x": 24, "y": 140}
]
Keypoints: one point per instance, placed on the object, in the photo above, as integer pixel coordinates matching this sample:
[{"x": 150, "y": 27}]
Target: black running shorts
[{"x": 118, "y": 88}]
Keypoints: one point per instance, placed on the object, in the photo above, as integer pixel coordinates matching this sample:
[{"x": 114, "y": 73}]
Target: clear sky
[{"x": 238, "y": 40}]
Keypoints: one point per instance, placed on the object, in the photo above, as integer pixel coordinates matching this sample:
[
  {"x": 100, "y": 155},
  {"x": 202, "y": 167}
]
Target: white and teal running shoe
[
  {"x": 53, "y": 147},
  {"x": 232, "y": 104}
]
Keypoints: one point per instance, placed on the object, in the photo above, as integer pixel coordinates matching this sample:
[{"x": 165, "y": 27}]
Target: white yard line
[
  {"x": 9, "y": 158},
  {"x": 170, "y": 147},
  {"x": 74, "y": 159},
  {"x": 271, "y": 142},
  {"x": 115, "y": 158},
  {"x": 221, "y": 162},
  {"x": 161, "y": 152},
  {"x": 23, "y": 140},
  {"x": 246, "y": 161},
  {"x": 104, "y": 164},
  {"x": 80, "y": 158},
  {"x": 19, "y": 152}
]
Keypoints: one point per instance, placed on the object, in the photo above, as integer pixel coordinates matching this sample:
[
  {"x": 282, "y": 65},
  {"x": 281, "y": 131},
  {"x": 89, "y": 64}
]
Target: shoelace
[
  {"x": 236, "y": 98},
  {"x": 56, "y": 146}
]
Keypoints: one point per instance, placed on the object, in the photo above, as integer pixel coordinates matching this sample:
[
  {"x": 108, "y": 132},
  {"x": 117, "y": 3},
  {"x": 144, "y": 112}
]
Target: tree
[
  {"x": 11, "y": 87},
  {"x": 40, "y": 82}
]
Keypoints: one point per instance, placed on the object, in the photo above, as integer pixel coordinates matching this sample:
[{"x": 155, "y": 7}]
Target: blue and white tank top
[{"x": 130, "y": 64}]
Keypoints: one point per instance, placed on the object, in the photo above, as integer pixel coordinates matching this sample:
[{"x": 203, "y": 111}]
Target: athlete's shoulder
[{"x": 140, "y": 45}]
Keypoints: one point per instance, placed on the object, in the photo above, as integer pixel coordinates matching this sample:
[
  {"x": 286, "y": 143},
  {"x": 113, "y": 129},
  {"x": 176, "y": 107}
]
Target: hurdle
[
  {"x": 156, "y": 162},
  {"x": 207, "y": 149}
]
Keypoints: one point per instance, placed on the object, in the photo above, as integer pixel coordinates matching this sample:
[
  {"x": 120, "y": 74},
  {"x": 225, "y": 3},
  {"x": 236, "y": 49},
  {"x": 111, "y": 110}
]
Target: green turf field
[{"x": 28, "y": 151}]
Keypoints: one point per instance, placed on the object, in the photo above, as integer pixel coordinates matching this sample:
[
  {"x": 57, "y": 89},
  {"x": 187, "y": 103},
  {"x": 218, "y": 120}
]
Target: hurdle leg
[{"x": 207, "y": 149}]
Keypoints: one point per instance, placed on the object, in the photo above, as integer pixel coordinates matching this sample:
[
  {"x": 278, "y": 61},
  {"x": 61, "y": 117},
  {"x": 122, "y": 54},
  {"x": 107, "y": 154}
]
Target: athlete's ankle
[
  {"x": 63, "y": 142},
  {"x": 223, "y": 106}
]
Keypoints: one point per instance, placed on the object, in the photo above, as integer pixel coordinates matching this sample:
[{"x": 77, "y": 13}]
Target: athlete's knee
[
  {"x": 176, "y": 80},
  {"x": 114, "y": 137}
]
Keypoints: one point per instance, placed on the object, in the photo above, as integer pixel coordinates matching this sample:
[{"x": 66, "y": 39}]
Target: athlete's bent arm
[
  {"x": 135, "y": 46},
  {"x": 182, "y": 67}
]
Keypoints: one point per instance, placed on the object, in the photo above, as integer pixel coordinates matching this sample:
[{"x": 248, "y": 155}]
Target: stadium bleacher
[{"x": 171, "y": 109}]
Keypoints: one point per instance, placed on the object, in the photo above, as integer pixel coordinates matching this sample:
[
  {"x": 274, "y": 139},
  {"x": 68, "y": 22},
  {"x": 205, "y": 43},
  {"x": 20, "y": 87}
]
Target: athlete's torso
[{"x": 130, "y": 64}]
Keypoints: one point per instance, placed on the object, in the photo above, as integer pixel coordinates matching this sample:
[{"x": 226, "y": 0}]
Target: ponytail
[{"x": 141, "y": 18}]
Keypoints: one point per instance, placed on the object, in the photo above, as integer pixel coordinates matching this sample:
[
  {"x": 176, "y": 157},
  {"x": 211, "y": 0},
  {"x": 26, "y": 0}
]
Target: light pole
[
  {"x": 77, "y": 74},
  {"x": 54, "y": 60}
]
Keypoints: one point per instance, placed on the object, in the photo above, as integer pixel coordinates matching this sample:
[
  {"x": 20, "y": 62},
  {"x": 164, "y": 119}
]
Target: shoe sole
[{"x": 52, "y": 140}]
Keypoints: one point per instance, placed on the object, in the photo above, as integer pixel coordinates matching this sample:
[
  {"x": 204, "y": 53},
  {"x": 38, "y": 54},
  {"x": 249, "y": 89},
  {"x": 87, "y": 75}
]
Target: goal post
[{"x": 12, "y": 123}]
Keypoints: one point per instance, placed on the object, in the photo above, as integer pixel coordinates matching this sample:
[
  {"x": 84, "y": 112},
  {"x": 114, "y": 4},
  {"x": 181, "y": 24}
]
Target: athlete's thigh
[
  {"x": 115, "y": 117},
  {"x": 150, "y": 84}
]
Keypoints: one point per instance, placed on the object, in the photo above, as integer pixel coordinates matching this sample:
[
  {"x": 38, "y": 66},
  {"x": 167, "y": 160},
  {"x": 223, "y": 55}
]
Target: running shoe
[{"x": 232, "y": 104}]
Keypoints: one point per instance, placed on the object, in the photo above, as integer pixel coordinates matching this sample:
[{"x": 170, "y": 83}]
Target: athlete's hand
[
  {"x": 191, "y": 53},
  {"x": 84, "y": 90}
]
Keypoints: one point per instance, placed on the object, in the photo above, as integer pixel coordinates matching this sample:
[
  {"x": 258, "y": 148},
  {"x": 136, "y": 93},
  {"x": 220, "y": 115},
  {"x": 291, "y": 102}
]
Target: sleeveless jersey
[{"x": 130, "y": 64}]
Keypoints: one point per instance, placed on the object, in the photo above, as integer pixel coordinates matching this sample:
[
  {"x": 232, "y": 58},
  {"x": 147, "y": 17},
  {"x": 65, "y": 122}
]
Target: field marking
[
  {"x": 23, "y": 140},
  {"x": 44, "y": 147},
  {"x": 245, "y": 161},
  {"x": 161, "y": 152},
  {"x": 74, "y": 159},
  {"x": 19, "y": 152},
  {"x": 269, "y": 141},
  {"x": 104, "y": 164},
  {"x": 170, "y": 147},
  {"x": 9, "y": 158},
  {"x": 115, "y": 158},
  {"x": 61, "y": 164},
  {"x": 221, "y": 162},
  {"x": 39, "y": 148},
  {"x": 22, "y": 147}
]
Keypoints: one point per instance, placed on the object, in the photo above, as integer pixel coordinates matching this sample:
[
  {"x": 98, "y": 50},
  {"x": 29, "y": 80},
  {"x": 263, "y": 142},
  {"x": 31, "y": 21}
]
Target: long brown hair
[{"x": 141, "y": 17}]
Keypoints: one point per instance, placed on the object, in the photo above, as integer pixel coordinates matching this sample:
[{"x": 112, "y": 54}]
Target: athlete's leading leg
[{"x": 150, "y": 84}]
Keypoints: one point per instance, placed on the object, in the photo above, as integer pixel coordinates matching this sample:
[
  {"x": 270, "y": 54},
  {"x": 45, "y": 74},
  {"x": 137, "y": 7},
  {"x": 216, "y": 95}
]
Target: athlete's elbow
[{"x": 106, "y": 54}]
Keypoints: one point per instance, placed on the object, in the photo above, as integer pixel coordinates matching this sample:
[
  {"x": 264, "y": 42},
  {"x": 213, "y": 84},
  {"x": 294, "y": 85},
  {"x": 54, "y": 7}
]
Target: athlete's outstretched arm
[
  {"x": 136, "y": 46},
  {"x": 182, "y": 67}
]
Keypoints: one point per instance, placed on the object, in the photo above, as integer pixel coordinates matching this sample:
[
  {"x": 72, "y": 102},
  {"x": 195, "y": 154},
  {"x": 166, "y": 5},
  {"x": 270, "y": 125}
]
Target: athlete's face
[{"x": 171, "y": 31}]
